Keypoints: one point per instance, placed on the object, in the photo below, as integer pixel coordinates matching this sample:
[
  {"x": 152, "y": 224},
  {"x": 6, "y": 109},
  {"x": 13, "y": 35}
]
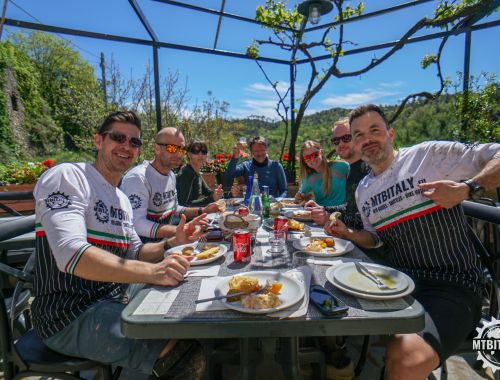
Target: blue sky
[{"x": 240, "y": 81}]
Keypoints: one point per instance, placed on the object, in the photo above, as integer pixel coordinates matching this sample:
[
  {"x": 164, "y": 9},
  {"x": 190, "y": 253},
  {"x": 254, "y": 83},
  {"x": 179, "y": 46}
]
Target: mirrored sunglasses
[
  {"x": 344, "y": 139},
  {"x": 120, "y": 138},
  {"x": 308, "y": 157},
  {"x": 172, "y": 148},
  {"x": 199, "y": 151}
]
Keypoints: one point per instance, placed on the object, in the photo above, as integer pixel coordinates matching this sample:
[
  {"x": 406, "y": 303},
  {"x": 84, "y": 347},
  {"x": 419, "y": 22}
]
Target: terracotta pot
[{"x": 23, "y": 205}]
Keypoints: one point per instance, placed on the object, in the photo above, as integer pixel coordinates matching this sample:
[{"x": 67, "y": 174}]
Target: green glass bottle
[{"x": 266, "y": 205}]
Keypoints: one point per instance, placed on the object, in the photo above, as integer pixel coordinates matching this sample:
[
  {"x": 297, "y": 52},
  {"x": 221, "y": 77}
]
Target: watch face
[{"x": 476, "y": 190}]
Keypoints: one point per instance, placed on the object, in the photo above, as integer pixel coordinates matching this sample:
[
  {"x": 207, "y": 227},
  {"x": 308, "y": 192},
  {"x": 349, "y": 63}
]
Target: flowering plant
[
  {"x": 217, "y": 165},
  {"x": 27, "y": 172}
]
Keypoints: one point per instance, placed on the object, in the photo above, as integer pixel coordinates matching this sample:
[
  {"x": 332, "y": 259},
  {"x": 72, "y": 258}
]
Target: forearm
[
  {"x": 165, "y": 230},
  {"x": 361, "y": 238},
  {"x": 489, "y": 177},
  {"x": 96, "y": 264},
  {"x": 153, "y": 252}
]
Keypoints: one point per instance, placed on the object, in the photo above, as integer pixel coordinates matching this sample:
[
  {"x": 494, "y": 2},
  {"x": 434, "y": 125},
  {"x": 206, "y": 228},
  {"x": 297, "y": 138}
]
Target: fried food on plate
[
  {"x": 245, "y": 284},
  {"x": 206, "y": 254},
  {"x": 294, "y": 225}
]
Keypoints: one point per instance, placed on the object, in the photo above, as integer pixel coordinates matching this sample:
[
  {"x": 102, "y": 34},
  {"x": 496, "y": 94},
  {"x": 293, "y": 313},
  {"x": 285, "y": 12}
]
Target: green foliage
[
  {"x": 26, "y": 172},
  {"x": 274, "y": 13},
  {"x": 428, "y": 60},
  {"x": 67, "y": 83},
  {"x": 253, "y": 50},
  {"x": 479, "y": 109}
]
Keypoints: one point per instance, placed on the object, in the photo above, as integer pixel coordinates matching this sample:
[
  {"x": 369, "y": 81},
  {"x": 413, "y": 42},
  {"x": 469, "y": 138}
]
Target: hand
[
  {"x": 310, "y": 205},
  {"x": 446, "y": 194},
  {"x": 212, "y": 207},
  {"x": 337, "y": 229},
  {"x": 319, "y": 215},
  {"x": 218, "y": 192},
  {"x": 170, "y": 271},
  {"x": 235, "y": 191},
  {"x": 188, "y": 232}
]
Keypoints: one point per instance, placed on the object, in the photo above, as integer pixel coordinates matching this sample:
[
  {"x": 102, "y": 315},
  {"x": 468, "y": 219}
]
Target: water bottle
[
  {"x": 266, "y": 205},
  {"x": 248, "y": 191},
  {"x": 255, "y": 204}
]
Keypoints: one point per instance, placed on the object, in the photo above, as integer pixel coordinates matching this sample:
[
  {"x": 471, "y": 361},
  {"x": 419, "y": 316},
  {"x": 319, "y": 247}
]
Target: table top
[{"x": 183, "y": 321}]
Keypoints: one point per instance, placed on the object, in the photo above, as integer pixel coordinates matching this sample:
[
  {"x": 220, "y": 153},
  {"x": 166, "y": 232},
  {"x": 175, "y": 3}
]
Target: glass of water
[{"x": 277, "y": 241}]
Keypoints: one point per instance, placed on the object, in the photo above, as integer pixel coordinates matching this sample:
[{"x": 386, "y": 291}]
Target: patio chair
[
  {"x": 487, "y": 246},
  {"x": 28, "y": 355}
]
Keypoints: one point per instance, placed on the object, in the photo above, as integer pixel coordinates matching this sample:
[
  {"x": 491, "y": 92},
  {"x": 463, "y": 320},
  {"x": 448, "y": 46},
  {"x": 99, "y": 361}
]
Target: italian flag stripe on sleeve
[
  {"x": 71, "y": 265},
  {"x": 409, "y": 213}
]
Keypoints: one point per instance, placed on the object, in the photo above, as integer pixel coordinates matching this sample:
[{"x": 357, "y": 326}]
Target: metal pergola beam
[
  {"x": 219, "y": 13},
  {"x": 369, "y": 15},
  {"x": 432, "y": 36},
  {"x": 139, "y": 41}
]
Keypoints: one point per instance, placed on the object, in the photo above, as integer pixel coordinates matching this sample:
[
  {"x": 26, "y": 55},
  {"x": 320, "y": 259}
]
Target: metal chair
[
  {"x": 28, "y": 355},
  {"x": 484, "y": 221}
]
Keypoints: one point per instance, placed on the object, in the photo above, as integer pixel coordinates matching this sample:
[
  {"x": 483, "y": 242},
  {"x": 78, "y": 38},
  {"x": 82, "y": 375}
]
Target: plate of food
[
  {"x": 294, "y": 226},
  {"x": 267, "y": 292},
  {"x": 208, "y": 253},
  {"x": 350, "y": 281},
  {"x": 323, "y": 246},
  {"x": 300, "y": 215},
  {"x": 288, "y": 203}
]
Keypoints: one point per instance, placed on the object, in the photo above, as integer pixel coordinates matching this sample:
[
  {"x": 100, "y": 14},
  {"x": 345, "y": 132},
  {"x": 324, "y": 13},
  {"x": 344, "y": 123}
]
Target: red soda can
[
  {"x": 281, "y": 224},
  {"x": 241, "y": 246},
  {"x": 243, "y": 211}
]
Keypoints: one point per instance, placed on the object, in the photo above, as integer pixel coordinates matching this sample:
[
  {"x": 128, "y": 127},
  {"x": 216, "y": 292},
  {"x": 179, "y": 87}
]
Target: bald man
[{"x": 151, "y": 189}]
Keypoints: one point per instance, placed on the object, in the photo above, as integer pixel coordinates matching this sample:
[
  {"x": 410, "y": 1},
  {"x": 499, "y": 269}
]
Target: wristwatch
[
  {"x": 476, "y": 191},
  {"x": 200, "y": 211}
]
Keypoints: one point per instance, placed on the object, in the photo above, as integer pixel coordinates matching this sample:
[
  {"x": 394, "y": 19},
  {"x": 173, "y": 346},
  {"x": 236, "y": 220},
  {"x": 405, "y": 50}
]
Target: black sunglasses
[
  {"x": 120, "y": 138},
  {"x": 345, "y": 139},
  {"x": 198, "y": 151}
]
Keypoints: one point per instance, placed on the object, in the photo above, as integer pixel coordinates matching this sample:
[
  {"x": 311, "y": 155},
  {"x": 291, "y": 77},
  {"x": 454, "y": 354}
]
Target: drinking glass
[
  {"x": 300, "y": 259},
  {"x": 277, "y": 241}
]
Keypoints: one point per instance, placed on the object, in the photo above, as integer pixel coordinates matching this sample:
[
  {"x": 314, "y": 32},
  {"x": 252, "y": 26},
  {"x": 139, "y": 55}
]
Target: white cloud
[
  {"x": 357, "y": 98},
  {"x": 398, "y": 83},
  {"x": 266, "y": 87}
]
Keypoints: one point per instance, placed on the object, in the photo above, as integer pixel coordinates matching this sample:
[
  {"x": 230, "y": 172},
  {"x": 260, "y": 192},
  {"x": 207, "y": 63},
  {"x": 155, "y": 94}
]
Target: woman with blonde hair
[{"x": 325, "y": 179}]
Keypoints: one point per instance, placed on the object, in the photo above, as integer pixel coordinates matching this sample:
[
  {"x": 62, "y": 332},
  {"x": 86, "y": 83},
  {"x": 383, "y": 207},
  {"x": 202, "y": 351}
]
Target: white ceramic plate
[
  {"x": 330, "y": 272},
  {"x": 291, "y": 293},
  {"x": 349, "y": 276},
  {"x": 195, "y": 261},
  {"x": 341, "y": 246},
  {"x": 299, "y": 215},
  {"x": 290, "y": 203}
]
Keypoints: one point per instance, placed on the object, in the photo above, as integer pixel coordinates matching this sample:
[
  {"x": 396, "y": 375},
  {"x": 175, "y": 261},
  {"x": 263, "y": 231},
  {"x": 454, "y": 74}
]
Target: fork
[
  {"x": 365, "y": 272},
  {"x": 221, "y": 297}
]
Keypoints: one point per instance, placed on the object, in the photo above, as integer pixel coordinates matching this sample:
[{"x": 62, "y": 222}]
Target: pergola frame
[{"x": 156, "y": 44}]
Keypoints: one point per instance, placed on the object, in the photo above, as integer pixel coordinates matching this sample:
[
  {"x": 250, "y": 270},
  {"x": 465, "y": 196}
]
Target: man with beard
[
  {"x": 87, "y": 249},
  {"x": 270, "y": 172},
  {"x": 341, "y": 138},
  {"x": 411, "y": 202},
  {"x": 151, "y": 189}
]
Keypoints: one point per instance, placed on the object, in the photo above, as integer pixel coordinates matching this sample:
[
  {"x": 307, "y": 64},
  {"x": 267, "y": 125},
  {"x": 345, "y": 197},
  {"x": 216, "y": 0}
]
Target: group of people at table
[{"x": 102, "y": 225}]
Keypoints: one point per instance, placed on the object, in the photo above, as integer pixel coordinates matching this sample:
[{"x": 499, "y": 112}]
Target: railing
[{"x": 14, "y": 196}]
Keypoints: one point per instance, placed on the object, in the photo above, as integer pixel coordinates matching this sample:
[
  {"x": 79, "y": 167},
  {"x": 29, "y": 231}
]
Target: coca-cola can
[
  {"x": 241, "y": 246},
  {"x": 281, "y": 224},
  {"x": 243, "y": 211}
]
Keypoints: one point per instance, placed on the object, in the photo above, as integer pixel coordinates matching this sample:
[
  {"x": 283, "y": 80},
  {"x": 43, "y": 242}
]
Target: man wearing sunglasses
[
  {"x": 87, "y": 249},
  {"x": 270, "y": 172},
  {"x": 342, "y": 140},
  {"x": 411, "y": 202},
  {"x": 151, "y": 188}
]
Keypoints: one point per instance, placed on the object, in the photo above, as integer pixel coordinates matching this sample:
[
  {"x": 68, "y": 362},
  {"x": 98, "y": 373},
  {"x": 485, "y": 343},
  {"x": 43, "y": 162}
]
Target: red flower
[
  {"x": 48, "y": 163},
  {"x": 219, "y": 155},
  {"x": 284, "y": 157},
  {"x": 230, "y": 155}
]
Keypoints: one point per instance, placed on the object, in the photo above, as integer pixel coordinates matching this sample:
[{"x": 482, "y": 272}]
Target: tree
[
  {"x": 448, "y": 15},
  {"x": 68, "y": 84}
]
